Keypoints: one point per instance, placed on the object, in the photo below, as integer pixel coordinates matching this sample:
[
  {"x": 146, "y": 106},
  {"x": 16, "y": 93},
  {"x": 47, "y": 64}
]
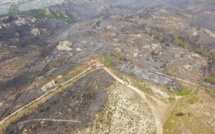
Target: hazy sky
[{"x": 1, "y": 1}]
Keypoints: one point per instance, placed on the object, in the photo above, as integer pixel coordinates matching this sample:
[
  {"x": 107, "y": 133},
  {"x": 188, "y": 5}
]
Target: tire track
[{"x": 159, "y": 127}]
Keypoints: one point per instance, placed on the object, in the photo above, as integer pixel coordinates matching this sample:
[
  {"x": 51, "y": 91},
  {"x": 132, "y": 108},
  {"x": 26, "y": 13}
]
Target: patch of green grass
[
  {"x": 192, "y": 100},
  {"x": 139, "y": 83},
  {"x": 180, "y": 92},
  {"x": 106, "y": 60},
  {"x": 171, "y": 124},
  {"x": 171, "y": 99},
  {"x": 166, "y": 87},
  {"x": 71, "y": 72},
  {"x": 196, "y": 92},
  {"x": 213, "y": 91},
  {"x": 141, "y": 86},
  {"x": 183, "y": 92},
  {"x": 176, "y": 120}
]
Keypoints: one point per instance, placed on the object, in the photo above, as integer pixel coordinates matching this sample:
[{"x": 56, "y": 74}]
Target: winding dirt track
[
  {"x": 185, "y": 81},
  {"x": 159, "y": 127},
  {"x": 51, "y": 120},
  {"x": 158, "y": 124}
]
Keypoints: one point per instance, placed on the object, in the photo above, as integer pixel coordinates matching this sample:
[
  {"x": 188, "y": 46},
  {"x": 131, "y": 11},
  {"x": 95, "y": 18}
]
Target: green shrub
[
  {"x": 176, "y": 40},
  {"x": 106, "y": 60},
  {"x": 202, "y": 51},
  {"x": 182, "y": 43},
  {"x": 134, "y": 30},
  {"x": 153, "y": 32},
  {"x": 186, "y": 45},
  {"x": 183, "y": 92}
]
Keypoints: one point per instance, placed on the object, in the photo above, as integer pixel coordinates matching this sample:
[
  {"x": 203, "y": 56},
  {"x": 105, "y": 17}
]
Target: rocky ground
[{"x": 24, "y": 52}]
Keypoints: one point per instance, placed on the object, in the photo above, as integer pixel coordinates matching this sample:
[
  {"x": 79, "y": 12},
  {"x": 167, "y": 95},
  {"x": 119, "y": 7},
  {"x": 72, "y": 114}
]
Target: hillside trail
[
  {"x": 159, "y": 127},
  {"x": 44, "y": 96},
  {"x": 172, "y": 77}
]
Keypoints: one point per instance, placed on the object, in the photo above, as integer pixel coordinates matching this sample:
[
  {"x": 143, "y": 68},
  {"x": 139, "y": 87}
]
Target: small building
[{"x": 48, "y": 86}]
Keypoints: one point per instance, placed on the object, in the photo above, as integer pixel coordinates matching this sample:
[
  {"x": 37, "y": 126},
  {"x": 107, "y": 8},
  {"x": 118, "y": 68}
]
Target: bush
[
  {"x": 134, "y": 30},
  {"x": 153, "y": 32},
  {"x": 106, "y": 60},
  {"x": 182, "y": 43},
  {"x": 183, "y": 92},
  {"x": 202, "y": 51},
  {"x": 186, "y": 45},
  {"x": 176, "y": 40}
]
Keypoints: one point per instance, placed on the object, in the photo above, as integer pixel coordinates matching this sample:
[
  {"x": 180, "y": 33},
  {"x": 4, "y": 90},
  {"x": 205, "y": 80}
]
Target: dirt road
[
  {"x": 39, "y": 100},
  {"x": 159, "y": 127}
]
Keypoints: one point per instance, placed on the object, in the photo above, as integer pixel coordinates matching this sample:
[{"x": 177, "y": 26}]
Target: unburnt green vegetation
[
  {"x": 176, "y": 39},
  {"x": 50, "y": 14},
  {"x": 180, "y": 92},
  {"x": 183, "y": 92},
  {"x": 192, "y": 100},
  {"x": 106, "y": 60},
  {"x": 47, "y": 13}
]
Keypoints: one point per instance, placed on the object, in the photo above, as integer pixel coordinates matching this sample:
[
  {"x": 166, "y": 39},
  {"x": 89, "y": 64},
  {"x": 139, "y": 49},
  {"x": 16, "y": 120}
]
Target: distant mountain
[
  {"x": 24, "y": 5},
  {"x": 189, "y": 2}
]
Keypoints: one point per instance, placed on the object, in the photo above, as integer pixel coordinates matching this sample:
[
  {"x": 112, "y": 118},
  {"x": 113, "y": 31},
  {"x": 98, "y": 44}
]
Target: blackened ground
[
  {"x": 79, "y": 102},
  {"x": 22, "y": 55}
]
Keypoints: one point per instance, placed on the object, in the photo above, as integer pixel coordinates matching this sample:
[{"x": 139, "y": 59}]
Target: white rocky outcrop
[
  {"x": 64, "y": 46},
  {"x": 35, "y": 31}
]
